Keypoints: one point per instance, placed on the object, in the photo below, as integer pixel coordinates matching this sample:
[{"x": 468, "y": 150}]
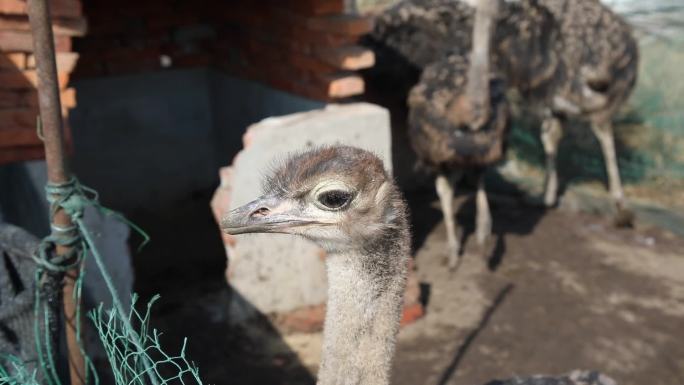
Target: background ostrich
[
  {"x": 598, "y": 57},
  {"x": 568, "y": 59},
  {"x": 343, "y": 199},
  {"x": 457, "y": 110},
  {"x": 445, "y": 135}
]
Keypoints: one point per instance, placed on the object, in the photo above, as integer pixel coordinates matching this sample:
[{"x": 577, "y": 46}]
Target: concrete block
[{"x": 277, "y": 272}]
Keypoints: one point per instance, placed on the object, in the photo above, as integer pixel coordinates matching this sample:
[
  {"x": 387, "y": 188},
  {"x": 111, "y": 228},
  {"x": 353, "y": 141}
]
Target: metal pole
[{"x": 57, "y": 168}]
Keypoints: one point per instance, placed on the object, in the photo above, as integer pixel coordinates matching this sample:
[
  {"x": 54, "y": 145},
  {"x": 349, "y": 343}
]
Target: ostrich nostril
[{"x": 260, "y": 212}]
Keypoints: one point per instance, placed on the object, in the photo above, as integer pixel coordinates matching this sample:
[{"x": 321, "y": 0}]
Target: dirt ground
[
  {"x": 554, "y": 290},
  {"x": 564, "y": 291}
]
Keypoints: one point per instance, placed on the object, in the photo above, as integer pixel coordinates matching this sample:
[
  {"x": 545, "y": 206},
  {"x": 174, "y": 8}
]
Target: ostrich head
[{"x": 339, "y": 197}]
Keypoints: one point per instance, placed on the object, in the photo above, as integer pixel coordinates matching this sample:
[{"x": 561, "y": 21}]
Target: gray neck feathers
[{"x": 365, "y": 295}]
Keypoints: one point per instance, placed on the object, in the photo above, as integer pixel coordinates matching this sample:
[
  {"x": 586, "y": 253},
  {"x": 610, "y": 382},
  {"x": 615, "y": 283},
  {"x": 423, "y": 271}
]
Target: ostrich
[
  {"x": 599, "y": 58},
  {"x": 568, "y": 59},
  {"x": 445, "y": 135},
  {"x": 343, "y": 199},
  {"x": 458, "y": 116}
]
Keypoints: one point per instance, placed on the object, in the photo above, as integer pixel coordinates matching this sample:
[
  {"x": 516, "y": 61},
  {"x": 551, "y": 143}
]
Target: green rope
[{"x": 73, "y": 198}]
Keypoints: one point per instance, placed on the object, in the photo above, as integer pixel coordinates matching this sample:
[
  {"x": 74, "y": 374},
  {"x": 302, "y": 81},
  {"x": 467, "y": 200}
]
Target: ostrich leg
[
  {"x": 551, "y": 134},
  {"x": 445, "y": 190},
  {"x": 483, "y": 221},
  {"x": 604, "y": 132}
]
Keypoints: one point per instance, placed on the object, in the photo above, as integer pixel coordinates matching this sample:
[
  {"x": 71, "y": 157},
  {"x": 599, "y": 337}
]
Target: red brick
[
  {"x": 319, "y": 38},
  {"x": 13, "y": 137},
  {"x": 345, "y": 25},
  {"x": 15, "y": 80},
  {"x": 411, "y": 313},
  {"x": 26, "y": 79},
  {"x": 12, "y": 61},
  {"x": 66, "y": 8},
  {"x": 341, "y": 24},
  {"x": 28, "y": 98},
  {"x": 343, "y": 85},
  {"x": 16, "y": 41},
  {"x": 66, "y": 27},
  {"x": 329, "y": 87},
  {"x": 10, "y": 99},
  {"x": 22, "y": 117},
  {"x": 312, "y": 7},
  {"x": 309, "y": 63},
  {"x": 22, "y": 41},
  {"x": 263, "y": 51},
  {"x": 58, "y": 8},
  {"x": 21, "y": 153},
  {"x": 348, "y": 58},
  {"x": 242, "y": 13},
  {"x": 70, "y": 27},
  {"x": 14, "y": 23},
  {"x": 63, "y": 44},
  {"x": 66, "y": 61},
  {"x": 12, "y": 6},
  {"x": 68, "y": 98}
]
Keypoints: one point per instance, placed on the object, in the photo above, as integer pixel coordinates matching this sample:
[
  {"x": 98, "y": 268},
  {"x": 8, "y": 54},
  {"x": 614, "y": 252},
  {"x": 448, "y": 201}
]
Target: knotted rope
[{"x": 73, "y": 198}]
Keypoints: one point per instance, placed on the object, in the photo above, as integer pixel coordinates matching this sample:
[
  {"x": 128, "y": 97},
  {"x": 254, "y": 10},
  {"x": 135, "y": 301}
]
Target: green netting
[
  {"x": 17, "y": 373},
  {"x": 133, "y": 349},
  {"x": 127, "y": 359}
]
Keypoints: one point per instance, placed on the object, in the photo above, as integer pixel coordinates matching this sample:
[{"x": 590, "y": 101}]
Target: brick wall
[
  {"x": 18, "y": 98},
  {"x": 306, "y": 47}
]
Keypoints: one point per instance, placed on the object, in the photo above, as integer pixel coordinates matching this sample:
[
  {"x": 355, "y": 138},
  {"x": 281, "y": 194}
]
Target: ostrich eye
[{"x": 334, "y": 199}]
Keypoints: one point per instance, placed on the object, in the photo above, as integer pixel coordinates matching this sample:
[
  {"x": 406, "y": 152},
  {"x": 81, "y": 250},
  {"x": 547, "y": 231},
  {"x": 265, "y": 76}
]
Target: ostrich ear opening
[{"x": 382, "y": 193}]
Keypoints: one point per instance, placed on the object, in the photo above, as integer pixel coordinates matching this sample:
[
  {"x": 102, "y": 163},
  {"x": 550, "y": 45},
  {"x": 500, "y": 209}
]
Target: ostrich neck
[{"x": 362, "y": 320}]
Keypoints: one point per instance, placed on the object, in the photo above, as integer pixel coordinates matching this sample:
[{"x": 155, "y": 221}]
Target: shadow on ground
[{"x": 185, "y": 263}]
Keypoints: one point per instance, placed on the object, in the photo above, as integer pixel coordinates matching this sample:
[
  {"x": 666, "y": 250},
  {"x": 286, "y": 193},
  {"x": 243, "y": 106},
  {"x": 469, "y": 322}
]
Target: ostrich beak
[{"x": 264, "y": 215}]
